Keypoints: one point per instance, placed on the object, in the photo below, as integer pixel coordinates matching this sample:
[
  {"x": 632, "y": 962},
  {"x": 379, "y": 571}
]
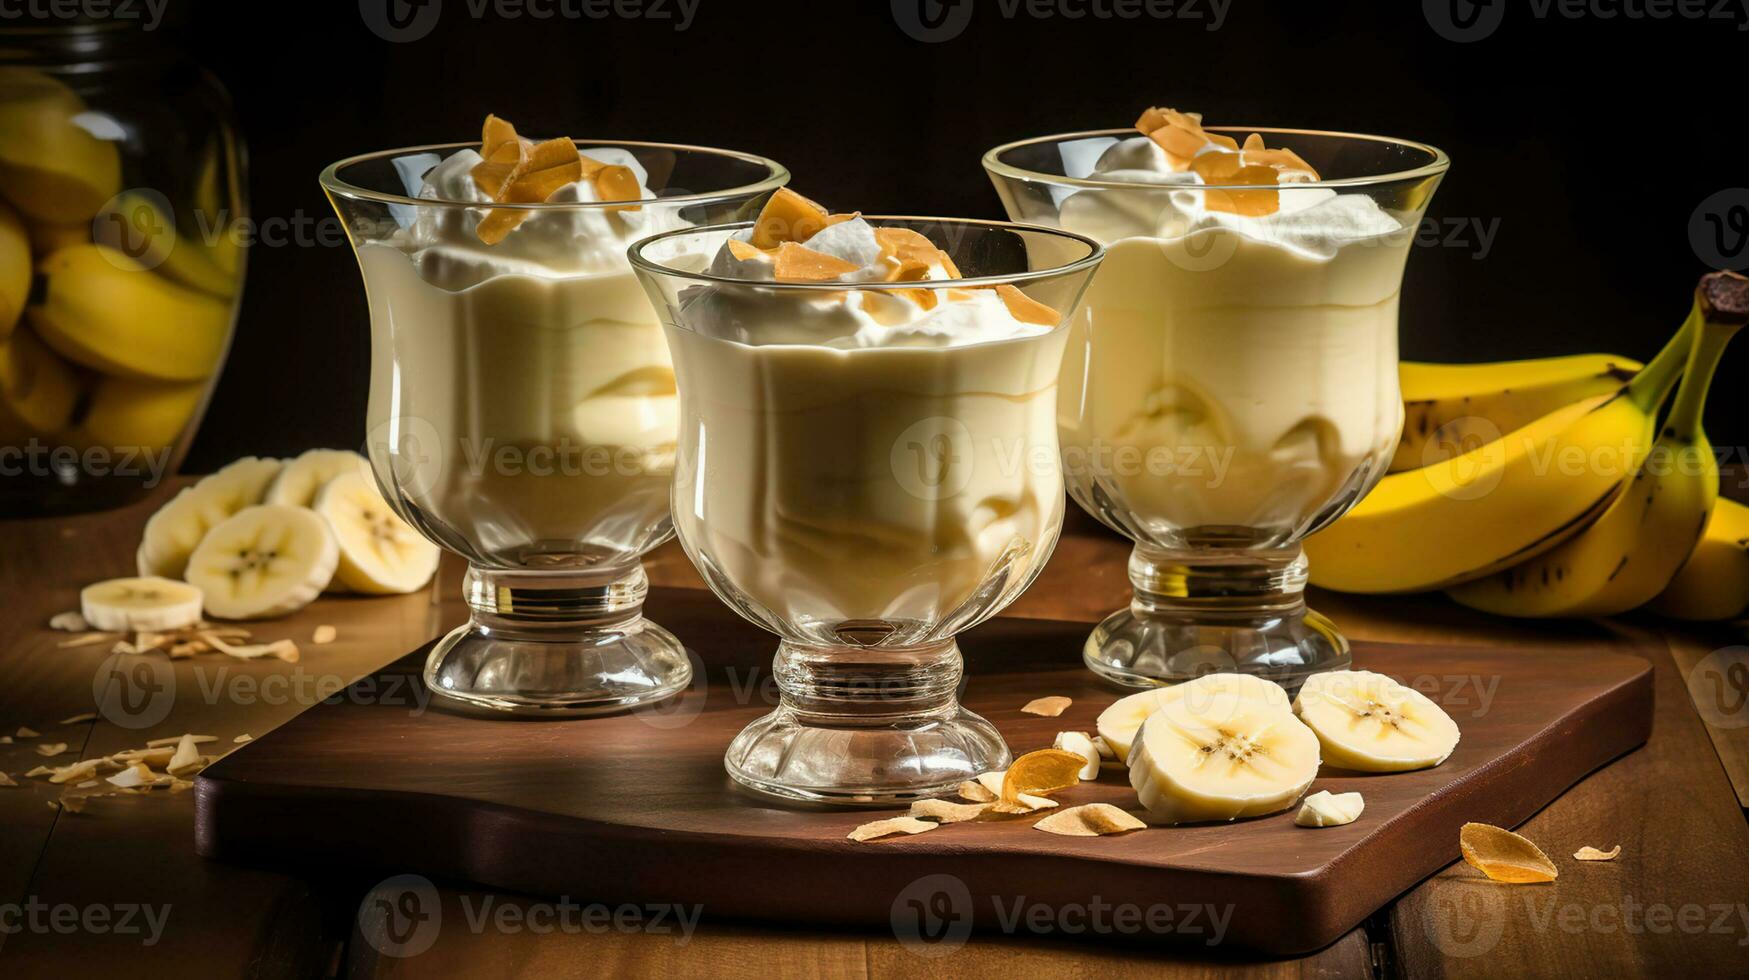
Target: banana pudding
[
  {"x": 879, "y": 456},
  {"x": 525, "y": 352},
  {"x": 1231, "y": 375}
]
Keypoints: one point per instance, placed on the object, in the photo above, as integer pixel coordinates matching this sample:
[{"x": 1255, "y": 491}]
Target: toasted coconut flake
[
  {"x": 39, "y": 771},
  {"x": 1090, "y": 820},
  {"x": 50, "y": 749},
  {"x": 187, "y": 758},
  {"x": 133, "y": 776},
  {"x": 71, "y": 803},
  {"x": 87, "y": 784},
  {"x": 26, "y": 732},
  {"x": 7, "y": 781},
  {"x": 71, "y": 622},
  {"x": 245, "y": 737},
  {"x": 1593, "y": 854},
  {"x": 1047, "y": 707},
  {"x": 888, "y": 827},
  {"x": 174, "y": 740},
  {"x": 5, "y": 740},
  {"x": 947, "y": 811},
  {"x": 179, "y": 785},
  {"x": 76, "y": 772},
  {"x": 285, "y": 650},
  {"x": 991, "y": 782},
  {"x": 79, "y": 719},
  {"x": 323, "y": 634},
  {"x": 1505, "y": 856},
  {"x": 86, "y": 640},
  {"x": 977, "y": 792},
  {"x": 1037, "y": 774}
]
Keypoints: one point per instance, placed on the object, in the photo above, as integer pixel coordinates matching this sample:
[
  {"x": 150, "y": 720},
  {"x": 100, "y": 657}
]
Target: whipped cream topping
[
  {"x": 902, "y": 315},
  {"x": 1314, "y": 222},
  {"x": 549, "y": 243}
]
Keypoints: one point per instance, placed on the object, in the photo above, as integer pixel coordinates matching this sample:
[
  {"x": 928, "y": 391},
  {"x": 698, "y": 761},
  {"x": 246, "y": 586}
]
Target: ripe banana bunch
[
  {"x": 263, "y": 537},
  {"x": 132, "y": 318},
  {"x": 1628, "y": 556},
  {"x": 1714, "y": 583},
  {"x": 1505, "y": 502},
  {"x": 1452, "y": 408}
]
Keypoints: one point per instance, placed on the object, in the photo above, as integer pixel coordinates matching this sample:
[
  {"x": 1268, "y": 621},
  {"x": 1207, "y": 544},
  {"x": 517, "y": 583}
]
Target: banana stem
[
  {"x": 1685, "y": 416},
  {"x": 1652, "y": 385}
]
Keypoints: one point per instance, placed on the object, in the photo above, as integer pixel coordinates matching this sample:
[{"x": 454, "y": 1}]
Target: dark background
[{"x": 1585, "y": 145}]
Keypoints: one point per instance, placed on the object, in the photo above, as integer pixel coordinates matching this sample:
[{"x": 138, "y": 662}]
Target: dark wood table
[{"x": 1675, "y": 903}]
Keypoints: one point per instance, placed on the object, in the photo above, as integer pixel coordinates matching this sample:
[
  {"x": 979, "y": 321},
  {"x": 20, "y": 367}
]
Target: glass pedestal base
[
  {"x": 556, "y": 644},
  {"x": 1197, "y": 613},
  {"x": 865, "y": 726}
]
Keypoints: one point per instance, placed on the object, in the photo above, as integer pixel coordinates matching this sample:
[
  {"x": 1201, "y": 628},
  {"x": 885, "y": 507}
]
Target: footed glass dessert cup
[
  {"x": 1230, "y": 378},
  {"x": 522, "y": 405},
  {"x": 867, "y": 470}
]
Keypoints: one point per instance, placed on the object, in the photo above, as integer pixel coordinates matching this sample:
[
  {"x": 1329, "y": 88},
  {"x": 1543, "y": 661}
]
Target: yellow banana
[
  {"x": 51, "y": 168},
  {"x": 1635, "y": 548},
  {"x": 1501, "y": 503},
  {"x": 14, "y": 269},
  {"x": 1714, "y": 582},
  {"x": 129, "y": 413},
  {"x": 107, "y": 312},
  {"x": 1453, "y": 408},
  {"x": 38, "y": 391},
  {"x": 135, "y": 225}
]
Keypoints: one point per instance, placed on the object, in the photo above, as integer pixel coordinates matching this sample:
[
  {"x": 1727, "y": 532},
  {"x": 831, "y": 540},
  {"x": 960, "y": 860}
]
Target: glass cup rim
[
  {"x": 1096, "y": 253},
  {"x": 1438, "y": 164},
  {"x": 776, "y": 176}
]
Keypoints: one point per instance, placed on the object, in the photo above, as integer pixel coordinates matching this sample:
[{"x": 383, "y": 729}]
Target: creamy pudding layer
[
  {"x": 1232, "y": 370},
  {"x": 530, "y": 355},
  {"x": 863, "y": 454}
]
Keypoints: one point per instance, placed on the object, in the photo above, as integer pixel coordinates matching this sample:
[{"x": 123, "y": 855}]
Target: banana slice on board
[
  {"x": 266, "y": 560},
  {"x": 1370, "y": 723},
  {"x": 303, "y": 477},
  {"x": 130, "y": 604},
  {"x": 380, "y": 554},
  {"x": 1221, "y": 758},
  {"x": 1119, "y": 723},
  {"x": 179, "y": 526}
]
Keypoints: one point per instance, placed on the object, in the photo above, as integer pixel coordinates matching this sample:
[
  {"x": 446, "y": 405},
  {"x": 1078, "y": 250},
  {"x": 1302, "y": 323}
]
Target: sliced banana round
[
  {"x": 302, "y": 478},
  {"x": 1370, "y": 723},
  {"x": 178, "y": 527},
  {"x": 1119, "y": 723},
  {"x": 265, "y": 561},
  {"x": 146, "y": 603},
  {"x": 380, "y": 554},
  {"x": 1221, "y": 758}
]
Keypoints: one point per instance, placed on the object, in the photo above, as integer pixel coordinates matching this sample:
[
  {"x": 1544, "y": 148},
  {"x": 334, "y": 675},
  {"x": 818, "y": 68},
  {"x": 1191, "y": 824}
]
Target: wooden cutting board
[{"x": 636, "y": 808}]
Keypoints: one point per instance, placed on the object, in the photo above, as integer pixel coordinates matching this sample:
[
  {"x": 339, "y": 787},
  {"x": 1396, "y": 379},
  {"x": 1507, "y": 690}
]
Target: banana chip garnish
[
  {"x": 1047, "y": 707},
  {"x": 516, "y": 170},
  {"x": 1090, "y": 820},
  {"x": 947, "y": 811},
  {"x": 889, "y": 827},
  {"x": 1037, "y": 773},
  {"x": 1593, "y": 854},
  {"x": 1219, "y": 159},
  {"x": 1505, "y": 856}
]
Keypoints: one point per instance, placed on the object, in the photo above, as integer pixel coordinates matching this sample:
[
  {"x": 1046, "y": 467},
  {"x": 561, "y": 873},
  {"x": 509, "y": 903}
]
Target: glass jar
[{"x": 121, "y": 260}]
